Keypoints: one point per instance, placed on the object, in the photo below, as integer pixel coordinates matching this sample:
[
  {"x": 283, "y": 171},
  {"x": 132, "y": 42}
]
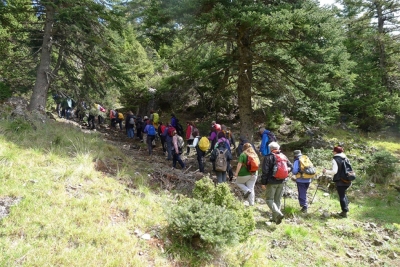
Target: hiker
[
  {"x": 151, "y": 135},
  {"x": 243, "y": 140},
  {"x": 212, "y": 136},
  {"x": 92, "y": 114},
  {"x": 155, "y": 118},
  {"x": 173, "y": 120},
  {"x": 160, "y": 131},
  {"x": 113, "y": 117},
  {"x": 246, "y": 179},
  {"x": 221, "y": 138},
  {"x": 176, "y": 151},
  {"x": 272, "y": 184},
  {"x": 265, "y": 140},
  {"x": 221, "y": 157},
  {"x": 200, "y": 153},
  {"x": 302, "y": 180},
  {"x": 119, "y": 118},
  {"x": 189, "y": 135},
  {"x": 139, "y": 128},
  {"x": 228, "y": 135},
  {"x": 130, "y": 124},
  {"x": 168, "y": 140},
  {"x": 341, "y": 186}
]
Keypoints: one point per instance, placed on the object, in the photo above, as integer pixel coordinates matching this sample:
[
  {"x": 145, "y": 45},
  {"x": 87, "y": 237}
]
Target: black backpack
[{"x": 179, "y": 129}]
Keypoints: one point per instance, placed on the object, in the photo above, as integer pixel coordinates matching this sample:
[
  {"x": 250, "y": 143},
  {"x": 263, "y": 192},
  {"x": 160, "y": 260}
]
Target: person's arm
[
  {"x": 238, "y": 167},
  {"x": 296, "y": 168},
  {"x": 334, "y": 168},
  {"x": 175, "y": 143},
  {"x": 195, "y": 141}
]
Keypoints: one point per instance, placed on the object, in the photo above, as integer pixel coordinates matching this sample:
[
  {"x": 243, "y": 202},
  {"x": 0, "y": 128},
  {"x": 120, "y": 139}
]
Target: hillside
[{"x": 71, "y": 196}]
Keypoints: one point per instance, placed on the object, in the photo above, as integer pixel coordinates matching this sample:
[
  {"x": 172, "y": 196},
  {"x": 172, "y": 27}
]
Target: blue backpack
[{"x": 151, "y": 130}]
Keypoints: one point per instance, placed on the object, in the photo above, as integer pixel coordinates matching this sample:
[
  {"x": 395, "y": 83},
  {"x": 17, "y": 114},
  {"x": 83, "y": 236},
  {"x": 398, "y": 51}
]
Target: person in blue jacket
[{"x": 264, "y": 148}]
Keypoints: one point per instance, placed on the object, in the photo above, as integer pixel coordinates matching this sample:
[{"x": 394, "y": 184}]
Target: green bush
[
  {"x": 214, "y": 217},
  {"x": 381, "y": 167}
]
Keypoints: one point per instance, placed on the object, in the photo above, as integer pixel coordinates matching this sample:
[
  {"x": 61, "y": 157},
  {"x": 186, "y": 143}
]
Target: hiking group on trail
[{"x": 218, "y": 144}]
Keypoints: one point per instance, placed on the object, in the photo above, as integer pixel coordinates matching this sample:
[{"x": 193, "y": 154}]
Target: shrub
[
  {"x": 212, "y": 218},
  {"x": 381, "y": 167}
]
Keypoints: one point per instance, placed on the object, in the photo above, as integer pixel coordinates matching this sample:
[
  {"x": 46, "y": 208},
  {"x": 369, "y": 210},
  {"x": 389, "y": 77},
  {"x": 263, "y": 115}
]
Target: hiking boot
[
  {"x": 304, "y": 209},
  {"x": 279, "y": 219},
  {"x": 247, "y": 194},
  {"x": 343, "y": 214}
]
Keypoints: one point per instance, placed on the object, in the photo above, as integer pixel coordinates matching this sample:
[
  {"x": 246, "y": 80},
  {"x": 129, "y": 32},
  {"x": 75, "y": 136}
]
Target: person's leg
[
  {"x": 343, "y": 198},
  {"x": 200, "y": 158},
  {"x": 178, "y": 156},
  {"x": 241, "y": 183},
  {"x": 169, "y": 149},
  {"x": 250, "y": 184},
  {"x": 278, "y": 195},
  {"x": 149, "y": 144},
  {"x": 223, "y": 177},
  {"x": 272, "y": 191},
  {"x": 174, "y": 159},
  {"x": 219, "y": 177},
  {"x": 302, "y": 192},
  {"x": 189, "y": 142}
]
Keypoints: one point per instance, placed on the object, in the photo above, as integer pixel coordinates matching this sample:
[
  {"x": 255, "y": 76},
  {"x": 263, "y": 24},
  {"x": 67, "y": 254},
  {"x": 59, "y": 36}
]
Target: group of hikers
[{"x": 219, "y": 143}]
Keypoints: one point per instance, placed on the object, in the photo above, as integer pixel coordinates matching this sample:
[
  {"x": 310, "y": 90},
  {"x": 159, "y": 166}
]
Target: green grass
[{"x": 72, "y": 215}]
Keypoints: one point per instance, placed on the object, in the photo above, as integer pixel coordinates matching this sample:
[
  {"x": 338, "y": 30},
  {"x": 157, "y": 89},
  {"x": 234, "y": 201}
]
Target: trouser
[
  {"x": 177, "y": 158},
  {"x": 91, "y": 121},
  {"x": 246, "y": 183},
  {"x": 302, "y": 191},
  {"x": 274, "y": 194},
  {"x": 200, "y": 158},
  {"x": 344, "y": 202},
  {"x": 130, "y": 132},
  {"x": 163, "y": 144},
  {"x": 149, "y": 141},
  {"x": 169, "y": 149},
  {"x": 221, "y": 177}
]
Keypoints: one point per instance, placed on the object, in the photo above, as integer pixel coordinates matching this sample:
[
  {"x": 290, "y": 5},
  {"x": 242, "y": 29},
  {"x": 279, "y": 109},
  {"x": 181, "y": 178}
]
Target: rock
[
  {"x": 372, "y": 258},
  {"x": 393, "y": 255},
  {"x": 260, "y": 200},
  {"x": 268, "y": 223},
  {"x": 386, "y": 238},
  {"x": 372, "y": 185},
  {"x": 348, "y": 254},
  {"x": 377, "y": 242},
  {"x": 326, "y": 194},
  {"x": 372, "y": 225},
  {"x": 326, "y": 214},
  {"x": 146, "y": 237}
]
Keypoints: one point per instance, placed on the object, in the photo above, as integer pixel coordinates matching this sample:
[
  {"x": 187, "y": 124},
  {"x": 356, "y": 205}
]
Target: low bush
[
  {"x": 213, "y": 217},
  {"x": 381, "y": 167}
]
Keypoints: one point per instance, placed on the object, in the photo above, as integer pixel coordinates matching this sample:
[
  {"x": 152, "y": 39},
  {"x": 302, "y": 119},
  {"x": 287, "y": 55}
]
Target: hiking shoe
[
  {"x": 304, "y": 209},
  {"x": 343, "y": 214},
  {"x": 279, "y": 219},
  {"x": 247, "y": 194}
]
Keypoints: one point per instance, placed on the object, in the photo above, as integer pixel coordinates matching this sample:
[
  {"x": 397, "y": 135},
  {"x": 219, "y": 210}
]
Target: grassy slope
[{"x": 71, "y": 214}]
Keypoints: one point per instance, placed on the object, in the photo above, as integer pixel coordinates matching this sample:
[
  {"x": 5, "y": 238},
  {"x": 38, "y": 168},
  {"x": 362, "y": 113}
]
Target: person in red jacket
[{"x": 189, "y": 135}]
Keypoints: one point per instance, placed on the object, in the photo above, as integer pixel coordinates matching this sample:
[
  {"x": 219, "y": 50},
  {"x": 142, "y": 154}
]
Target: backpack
[
  {"x": 120, "y": 116},
  {"x": 151, "y": 130},
  {"x": 348, "y": 174},
  {"x": 280, "y": 170},
  {"x": 161, "y": 129},
  {"x": 271, "y": 137},
  {"x": 252, "y": 165},
  {"x": 221, "y": 164},
  {"x": 307, "y": 169},
  {"x": 180, "y": 142},
  {"x": 132, "y": 120},
  {"x": 171, "y": 129},
  {"x": 204, "y": 144},
  {"x": 179, "y": 129},
  {"x": 156, "y": 117}
]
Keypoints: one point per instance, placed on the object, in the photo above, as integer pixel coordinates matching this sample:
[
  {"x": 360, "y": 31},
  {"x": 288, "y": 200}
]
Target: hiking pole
[{"x": 312, "y": 200}]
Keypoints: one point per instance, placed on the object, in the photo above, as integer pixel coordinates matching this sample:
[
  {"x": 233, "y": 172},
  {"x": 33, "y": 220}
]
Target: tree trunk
[
  {"x": 245, "y": 77},
  {"x": 43, "y": 74}
]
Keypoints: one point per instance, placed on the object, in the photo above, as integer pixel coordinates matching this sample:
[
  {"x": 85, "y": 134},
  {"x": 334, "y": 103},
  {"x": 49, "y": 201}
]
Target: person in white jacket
[
  {"x": 341, "y": 185},
  {"x": 200, "y": 153}
]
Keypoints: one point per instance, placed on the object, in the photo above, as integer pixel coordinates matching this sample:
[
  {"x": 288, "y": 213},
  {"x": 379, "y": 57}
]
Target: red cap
[{"x": 338, "y": 149}]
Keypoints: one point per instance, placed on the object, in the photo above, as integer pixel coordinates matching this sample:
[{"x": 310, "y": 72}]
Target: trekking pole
[
  {"x": 284, "y": 197},
  {"x": 312, "y": 200}
]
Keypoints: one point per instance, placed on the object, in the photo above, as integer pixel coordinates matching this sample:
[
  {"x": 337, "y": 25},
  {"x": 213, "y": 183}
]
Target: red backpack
[
  {"x": 280, "y": 170},
  {"x": 171, "y": 129}
]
